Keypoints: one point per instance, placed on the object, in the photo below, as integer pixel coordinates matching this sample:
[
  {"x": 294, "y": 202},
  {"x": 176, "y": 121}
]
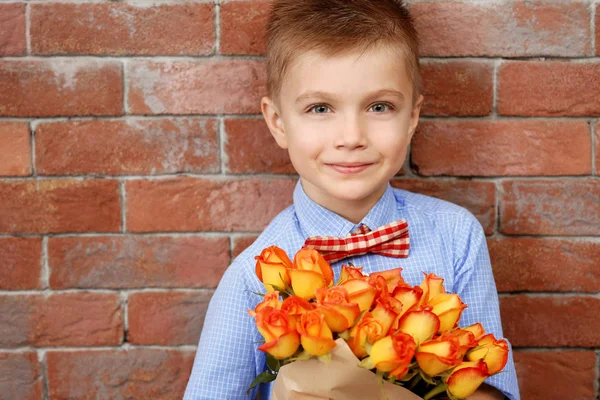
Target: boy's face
[{"x": 346, "y": 122}]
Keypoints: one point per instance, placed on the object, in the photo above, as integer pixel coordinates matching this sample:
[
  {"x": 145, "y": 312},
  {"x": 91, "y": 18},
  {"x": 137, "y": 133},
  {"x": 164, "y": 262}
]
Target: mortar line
[
  {"x": 27, "y": 29},
  {"x": 44, "y": 367},
  {"x": 593, "y": 28},
  {"x": 45, "y": 275},
  {"x": 217, "y": 22},
  {"x": 123, "y": 198},
  {"x": 32, "y": 147},
  {"x": 593, "y": 133}
]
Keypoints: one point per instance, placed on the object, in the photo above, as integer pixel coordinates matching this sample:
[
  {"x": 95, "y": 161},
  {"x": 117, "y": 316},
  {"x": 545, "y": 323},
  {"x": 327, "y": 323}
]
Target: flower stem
[{"x": 435, "y": 391}]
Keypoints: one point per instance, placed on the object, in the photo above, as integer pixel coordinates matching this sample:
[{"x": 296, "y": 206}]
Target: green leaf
[
  {"x": 263, "y": 377},
  {"x": 273, "y": 363}
]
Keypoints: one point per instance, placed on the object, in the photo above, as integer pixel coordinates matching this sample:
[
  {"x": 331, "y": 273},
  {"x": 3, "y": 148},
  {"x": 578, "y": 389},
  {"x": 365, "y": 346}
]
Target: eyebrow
[{"x": 329, "y": 96}]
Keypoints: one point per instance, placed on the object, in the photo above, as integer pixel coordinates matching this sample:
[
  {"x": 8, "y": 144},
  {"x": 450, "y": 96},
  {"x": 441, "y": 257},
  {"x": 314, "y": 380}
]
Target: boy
[{"x": 344, "y": 100}]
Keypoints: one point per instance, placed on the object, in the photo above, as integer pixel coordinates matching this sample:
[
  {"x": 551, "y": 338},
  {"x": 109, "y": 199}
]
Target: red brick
[
  {"x": 20, "y": 263},
  {"x": 15, "y": 148},
  {"x": 502, "y": 148},
  {"x": 127, "y": 262},
  {"x": 559, "y": 207},
  {"x": 133, "y": 146},
  {"x": 243, "y": 27},
  {"x": 205, "y": 204},
  {"x": 49, "y": 206},
  {"x": 240, "y": 243},
  {"x": 459, "y": 88},
  {"x": 60, "y": 87},
  {"x": 250, "y": 148},
  {"x": 118, "y": 374},
  {"x": 66, "y": 319},
  {"x": 21, "y": 376},
  {"x": 508, "y": 29},
  {"x": 535, "y": 264},
  {"x": 547, "y": 375},
  {"x": 12, "y": 29},
  {"x": 551, "y": 321},
  {"x": 478, "y": 197},
  {"x": 199, "y": 87},
  {"x": 549, "y": 88},
  {"x": 167, "y": 29},
  {"x": 597, "y": 29},
  {"x": 166, "y": 318}
]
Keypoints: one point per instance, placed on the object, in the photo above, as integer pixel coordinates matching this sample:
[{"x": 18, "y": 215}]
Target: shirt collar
[{"x": 316, "y": 220}]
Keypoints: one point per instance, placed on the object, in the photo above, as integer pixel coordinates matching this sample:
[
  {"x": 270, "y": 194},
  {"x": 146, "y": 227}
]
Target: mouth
[{"x": 349, "y": 168}]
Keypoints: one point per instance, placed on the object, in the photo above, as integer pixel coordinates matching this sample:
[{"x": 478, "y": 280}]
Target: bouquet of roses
[{"x": 406, "y": 335}]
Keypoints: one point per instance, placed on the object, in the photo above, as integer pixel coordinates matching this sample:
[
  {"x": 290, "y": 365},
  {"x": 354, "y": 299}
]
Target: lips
[{"x": 349, "y": 168}]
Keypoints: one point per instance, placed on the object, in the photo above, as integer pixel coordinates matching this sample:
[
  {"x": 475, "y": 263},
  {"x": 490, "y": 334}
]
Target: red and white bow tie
[{"x": 390, "y": 240}]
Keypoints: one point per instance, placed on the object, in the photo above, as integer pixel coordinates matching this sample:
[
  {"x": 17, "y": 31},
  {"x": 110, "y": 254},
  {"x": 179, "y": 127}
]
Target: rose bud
[
  {"x": 282, "y": 339},
  {"x": 294, "y": 307},
  {"x": 432, "y": 285},
  {"x": 409, "y": 296},
  {"x": 272, "y": 266},
  {"x": 387, "y": 310},
  {"x": 380, "y": 285},
  {"x": 360, "y": 292},
  {"x": 493, "y": 352},
  {"x": 466, "y": 340},
  {"x": 438, "y": 355},
  {"x": 393, "y": 354},
  {"x": 339, "y": 313},
  {"x": 315, "y": 335},
  {"x": 350, "y": 273},
  {"x": 448, "y": 308},
  {"x": 368, "y": 329},
  {"x": 476, "y": 329},
  {"x": 421, "y": 324},
  {"x": 309, "y": 272},
  {"x": 466, "y": 378},
  {"x": 271, "y": 299},
  {"x": 393, "y": 278}
]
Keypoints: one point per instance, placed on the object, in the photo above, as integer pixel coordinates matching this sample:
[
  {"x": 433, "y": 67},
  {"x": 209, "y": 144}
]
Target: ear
[
  {"x": 273, "y": 119},
  {"x": 414, "y": 116}
]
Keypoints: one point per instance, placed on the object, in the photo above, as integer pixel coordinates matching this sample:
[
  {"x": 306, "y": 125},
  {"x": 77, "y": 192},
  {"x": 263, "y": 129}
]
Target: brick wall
[{"x": 134, "y": 167}]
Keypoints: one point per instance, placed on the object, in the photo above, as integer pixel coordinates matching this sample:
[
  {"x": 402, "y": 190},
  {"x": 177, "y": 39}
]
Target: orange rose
[
  {"x": 309, "y": 272},
  {"x": 294, "y": 307},
  {"x": 386, "y": 310},
  {"x": 339, "y": 313},
  {"x": 380, "y": 285},
  {"x": 393, "y": 278},
  {"x": 393, "y": 354},
  {"x": 438, "y": 355},
  {"x": 271, "y": 299},
  {"x": 409, "y": 296},
  {"x": 360, "y": 292},
  {"x": 350, "y": 273},
  {"x": 476, "y": 329},
  {"x": 421, "y": 324},
  {"x": 466, "y": 378},
  {"x": 368, "y": 329},
  {"x": 281, "y": 338},
  {"x": 466, "y": 340},
  {"x": 271, "y": 268},
  {"x": 315, "y": 335},
  {"x": 493, "y": 352},
  {"x": 432, "y": 285},
  {"x": 448, "y": 308}
]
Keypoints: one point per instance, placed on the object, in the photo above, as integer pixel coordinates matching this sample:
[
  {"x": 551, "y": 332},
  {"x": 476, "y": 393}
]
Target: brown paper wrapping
[{"x": 341, "y": 379}]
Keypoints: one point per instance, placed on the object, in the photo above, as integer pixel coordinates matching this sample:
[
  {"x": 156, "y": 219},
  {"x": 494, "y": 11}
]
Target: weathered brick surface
[
  {"x": 243, "y": 26},
  {"x": 133, "y": 146},
  {"x": 20, "y": 263},
  {"x": 12, "y": 29},
  {"x": 15, "y": 148},
  {"x": 127, "y": 262},
  {"x": 240, "y": 243},
  {"x": 165, "y": 29},
  {"x": 21, "y": 376}
]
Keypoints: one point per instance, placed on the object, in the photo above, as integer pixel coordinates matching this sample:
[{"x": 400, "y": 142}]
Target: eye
[
  {"x": 320, "y": 109},
  {"x": 380, "y": 107}
]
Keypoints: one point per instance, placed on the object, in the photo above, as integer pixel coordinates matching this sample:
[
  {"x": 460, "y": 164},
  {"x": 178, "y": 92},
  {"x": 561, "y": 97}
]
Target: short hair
[{"x": 336, "y": 26}]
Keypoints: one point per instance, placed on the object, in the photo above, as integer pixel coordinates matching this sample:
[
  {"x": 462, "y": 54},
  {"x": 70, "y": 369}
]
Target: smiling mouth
[{"x": 353, "y": 168}]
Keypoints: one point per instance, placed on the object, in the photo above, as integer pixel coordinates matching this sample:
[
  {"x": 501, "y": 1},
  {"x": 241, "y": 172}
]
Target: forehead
[{"x": 348, "y": 74}]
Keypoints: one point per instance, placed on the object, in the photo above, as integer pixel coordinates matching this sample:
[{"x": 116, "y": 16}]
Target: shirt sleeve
[
  {"x": 226, "y": 359},
  {"x": 474, "y": 283}
]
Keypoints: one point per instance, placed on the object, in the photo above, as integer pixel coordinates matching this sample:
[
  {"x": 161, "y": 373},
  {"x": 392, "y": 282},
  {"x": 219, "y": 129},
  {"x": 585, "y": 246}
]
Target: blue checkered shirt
[{"x": 444, "y": 239}]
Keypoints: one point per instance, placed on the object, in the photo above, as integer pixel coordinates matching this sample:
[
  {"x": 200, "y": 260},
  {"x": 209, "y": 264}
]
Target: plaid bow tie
[{"x": 389, "y": 240}]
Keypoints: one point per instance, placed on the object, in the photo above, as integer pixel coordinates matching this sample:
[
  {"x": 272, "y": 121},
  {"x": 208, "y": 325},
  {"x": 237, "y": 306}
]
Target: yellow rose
[
  {"x": 432, "y": 286},
  {"x": 386, "y": 311},
  {"x": 448, "y": 308},
  {"x": 350, "y": 273},
  {"x": 421, "y": 324},
  {"x": 466, "y": 378},
  {"x": 477, "y": 330},
  {"x": 339, "y": 313},
  {"x": 360, "y": 292},
  {"x": 309, "y": 272},
  {"x": 315, "y": 335},
  {"x": 271, "y": 299},
  {"x": 294, "y": 307},
  {"x": 438, "y": 355},
  {"x": 281, "y": 338},
  {"x": 271, "y": 268},
  {"x": 409, "y": 296},
  {"x": 393, "y": 354},
  {"x": 493, "y": 352},
  {"x": 393, "y": 278},
  {"x": 368, "y": 329}
]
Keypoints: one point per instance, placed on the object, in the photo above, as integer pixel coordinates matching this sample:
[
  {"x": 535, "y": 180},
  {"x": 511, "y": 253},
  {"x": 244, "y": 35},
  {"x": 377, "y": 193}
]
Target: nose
[{"x": 352, "y": 134}]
